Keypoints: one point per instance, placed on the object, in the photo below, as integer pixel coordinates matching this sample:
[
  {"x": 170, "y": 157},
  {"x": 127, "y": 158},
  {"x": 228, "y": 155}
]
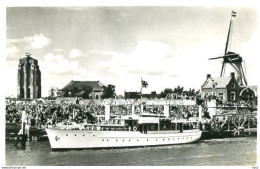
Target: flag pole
[{"x": 141, "y": 88}]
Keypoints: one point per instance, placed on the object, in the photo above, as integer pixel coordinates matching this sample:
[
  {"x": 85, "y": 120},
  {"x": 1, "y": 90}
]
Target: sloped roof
[
  {"x": 253, "y": 88},
  {"x": 220, "y": 82},
  {"x": 96, "y": 85}
]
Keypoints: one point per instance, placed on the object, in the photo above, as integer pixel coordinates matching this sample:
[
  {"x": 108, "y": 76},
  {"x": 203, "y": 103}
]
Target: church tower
[{"x": 29, "y": 78}]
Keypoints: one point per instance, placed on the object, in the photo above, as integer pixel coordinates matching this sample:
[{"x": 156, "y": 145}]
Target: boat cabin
[{"x": 145, "y": 125}]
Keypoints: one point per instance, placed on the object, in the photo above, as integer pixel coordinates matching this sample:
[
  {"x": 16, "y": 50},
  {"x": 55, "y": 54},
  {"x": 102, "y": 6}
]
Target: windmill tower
[{"x": 232, "y": 59}]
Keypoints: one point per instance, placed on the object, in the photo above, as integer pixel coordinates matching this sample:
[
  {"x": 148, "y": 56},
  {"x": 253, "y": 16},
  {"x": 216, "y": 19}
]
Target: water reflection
[{"x": 230, "y": 151}]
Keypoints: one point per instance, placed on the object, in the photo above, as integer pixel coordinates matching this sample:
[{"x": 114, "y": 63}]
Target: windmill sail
[{"x": 233, "y": 60}]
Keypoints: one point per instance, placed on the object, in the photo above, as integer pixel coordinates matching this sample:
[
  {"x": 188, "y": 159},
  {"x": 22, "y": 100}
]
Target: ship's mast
[{"x": 141, "y": 88}]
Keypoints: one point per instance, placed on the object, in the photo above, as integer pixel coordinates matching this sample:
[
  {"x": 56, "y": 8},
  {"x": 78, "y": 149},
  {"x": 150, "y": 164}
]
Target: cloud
[
  {"x": 21, "y": 40},
  {"x": 148, "y": 57},
  {"x": 58, "y": 64},
  {"x": 58, "y": 50},
  {"x": 11, "y": 50},
  {"x": 36, "y": 41},
  {"x": 95, "y": 51},
  {"x": 39, "y": 41},
  {"x": 75, "y": 53},
  {"x": 54, "y": 58},
  {"x": 162, "y": 67},
  {"x": 249, "y": 53}
]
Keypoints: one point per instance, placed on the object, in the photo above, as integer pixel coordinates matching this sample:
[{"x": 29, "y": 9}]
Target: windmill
[{"x": 232, "y": 59}]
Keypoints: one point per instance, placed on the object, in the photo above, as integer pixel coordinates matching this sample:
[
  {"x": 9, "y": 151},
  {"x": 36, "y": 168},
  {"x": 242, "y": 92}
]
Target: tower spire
[{"x": 28, "y": 54}]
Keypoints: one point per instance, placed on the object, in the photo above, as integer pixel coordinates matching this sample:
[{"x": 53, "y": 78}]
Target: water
[{"x": 215, "y": 152}]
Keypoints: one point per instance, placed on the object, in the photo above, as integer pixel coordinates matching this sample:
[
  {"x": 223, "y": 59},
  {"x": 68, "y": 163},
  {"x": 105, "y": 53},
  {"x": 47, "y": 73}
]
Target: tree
[
  {"x": 166, "y": 91},
  {"x": 178, "y": 90},
  {"x": 87, "y": 90},
  {"x": 197, "y": 92},
  {"x": 109, "y": 91},
  {"x": 153, "y": 94},
  {"x": 52, "y": 92}
]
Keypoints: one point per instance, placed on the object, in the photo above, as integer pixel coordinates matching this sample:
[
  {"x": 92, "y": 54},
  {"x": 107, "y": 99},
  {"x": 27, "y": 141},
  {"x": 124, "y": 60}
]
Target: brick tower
[{"x": 29, "y": 78}]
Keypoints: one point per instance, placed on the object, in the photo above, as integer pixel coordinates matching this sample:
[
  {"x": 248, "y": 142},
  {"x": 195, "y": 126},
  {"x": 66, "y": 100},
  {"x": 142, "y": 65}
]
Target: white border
[{"x": 77, "y": 3}]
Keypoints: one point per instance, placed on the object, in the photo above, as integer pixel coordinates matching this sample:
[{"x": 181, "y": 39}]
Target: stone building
[
  {"x": 29, "y": 78},
  {"x": 77, "y": 88},
  {"x": 226, "y": 88}
]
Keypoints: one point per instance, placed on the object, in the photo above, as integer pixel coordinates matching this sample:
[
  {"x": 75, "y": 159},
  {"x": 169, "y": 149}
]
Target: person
[
  {"x": 19, "y": 136},
  {"x": 77, "y": 101}
]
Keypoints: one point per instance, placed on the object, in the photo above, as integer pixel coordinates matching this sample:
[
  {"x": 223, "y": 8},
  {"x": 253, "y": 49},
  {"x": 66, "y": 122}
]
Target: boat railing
[{"x": 163, "y": 132}]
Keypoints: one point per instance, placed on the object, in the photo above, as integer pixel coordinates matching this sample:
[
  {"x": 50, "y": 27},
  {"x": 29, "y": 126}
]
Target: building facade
[
  {"x": 225, "y": 88},
  {"x": 77, "y": 88},
  {"x": 29, "y": 78}
]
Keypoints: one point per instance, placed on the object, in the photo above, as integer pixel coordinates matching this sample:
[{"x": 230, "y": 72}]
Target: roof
[
  {"x": 253, "y": 88},
  {"x": 96, "y": 85},
  {"x": 220, "y": 82}
]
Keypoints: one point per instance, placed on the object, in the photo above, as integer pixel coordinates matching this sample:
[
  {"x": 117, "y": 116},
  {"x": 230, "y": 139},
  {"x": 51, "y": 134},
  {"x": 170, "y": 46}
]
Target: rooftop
[
  {"x": 220, "y": 82},
  {"x": 96, "y": 85}
]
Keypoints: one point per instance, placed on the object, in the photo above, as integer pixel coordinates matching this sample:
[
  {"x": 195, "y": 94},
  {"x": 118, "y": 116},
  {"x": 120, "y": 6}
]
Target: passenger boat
[{"x": 125, "y": 132}]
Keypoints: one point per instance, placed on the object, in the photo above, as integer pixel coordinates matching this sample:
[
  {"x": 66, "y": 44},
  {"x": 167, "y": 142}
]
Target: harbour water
[{"x": 215, "y": 152}]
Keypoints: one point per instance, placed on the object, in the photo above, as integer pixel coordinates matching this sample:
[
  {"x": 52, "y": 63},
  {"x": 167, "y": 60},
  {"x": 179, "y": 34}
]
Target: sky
[{"x": 166, "y": 46}]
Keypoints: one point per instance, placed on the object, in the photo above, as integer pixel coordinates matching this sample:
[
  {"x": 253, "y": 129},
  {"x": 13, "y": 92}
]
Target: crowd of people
[
  {"x": 184, "y": 111},
  {"x": 53, "y": 113},
  {"x": 224, "y": 103},
  {"x": 218, "y": 123},
  {"x": 236, "y": 104}
]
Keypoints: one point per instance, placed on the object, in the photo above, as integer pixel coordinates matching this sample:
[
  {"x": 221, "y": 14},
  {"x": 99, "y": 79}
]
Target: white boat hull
[{"x": 84, "y": 139}]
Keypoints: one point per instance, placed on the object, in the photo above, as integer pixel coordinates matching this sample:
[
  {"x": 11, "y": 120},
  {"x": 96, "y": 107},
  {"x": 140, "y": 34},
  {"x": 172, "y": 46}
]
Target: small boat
[{"x": 125, "y": 132}]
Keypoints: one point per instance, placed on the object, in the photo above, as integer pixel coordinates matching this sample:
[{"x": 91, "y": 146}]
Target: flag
[
  {"x": 144, "y": 83},
  {"x": 234, "y": 14}
]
